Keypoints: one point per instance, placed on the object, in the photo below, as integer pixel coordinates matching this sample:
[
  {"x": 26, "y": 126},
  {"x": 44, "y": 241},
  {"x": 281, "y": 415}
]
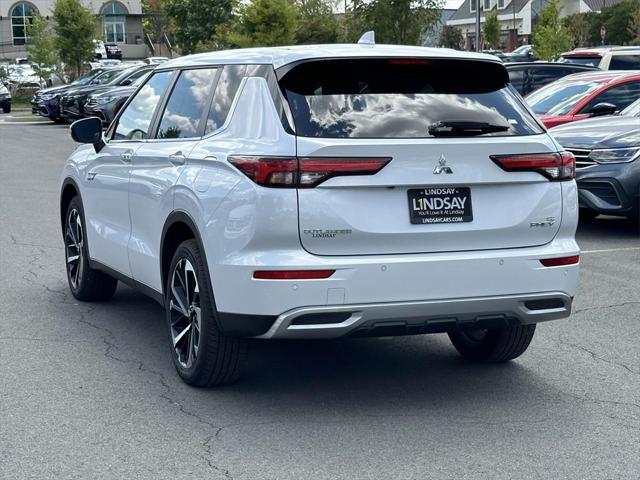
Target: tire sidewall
[{"x": 188, "y": 250}]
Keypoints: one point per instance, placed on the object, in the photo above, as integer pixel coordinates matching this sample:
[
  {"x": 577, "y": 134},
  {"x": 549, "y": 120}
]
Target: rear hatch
[{"x": 432, "y": 125}]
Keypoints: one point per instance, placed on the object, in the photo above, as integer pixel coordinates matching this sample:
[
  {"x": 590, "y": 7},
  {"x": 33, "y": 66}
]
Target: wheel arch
[
  {"x": 178, "y": 227},
  {"x": 67, "y": 192}
]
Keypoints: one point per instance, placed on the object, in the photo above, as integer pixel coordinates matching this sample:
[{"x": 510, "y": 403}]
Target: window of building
[
  {"x": 114, "y": 22},
  {"x": 501, "y": 4},
  {"x": 486, "y": 5},
  {"x": 21, "y": 17},
  {"x": 472, "y": 5}
]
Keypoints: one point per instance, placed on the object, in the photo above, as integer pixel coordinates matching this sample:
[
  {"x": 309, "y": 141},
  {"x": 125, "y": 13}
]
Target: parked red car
[{"x": 585, "y": 95}]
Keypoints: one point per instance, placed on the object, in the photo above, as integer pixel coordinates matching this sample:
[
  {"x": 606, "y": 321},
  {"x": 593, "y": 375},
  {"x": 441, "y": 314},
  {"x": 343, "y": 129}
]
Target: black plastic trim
[
  {"x": 244, "y": 325},
  {"x": 141, "y": 287}
]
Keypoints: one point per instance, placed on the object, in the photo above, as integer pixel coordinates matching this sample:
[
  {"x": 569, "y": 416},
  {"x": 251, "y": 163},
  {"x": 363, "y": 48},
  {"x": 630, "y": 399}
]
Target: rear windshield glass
[
  {"x": 559, "y": 98},
  {"x": 400, "y": 98},
  {"x": 592, "y": 60}
]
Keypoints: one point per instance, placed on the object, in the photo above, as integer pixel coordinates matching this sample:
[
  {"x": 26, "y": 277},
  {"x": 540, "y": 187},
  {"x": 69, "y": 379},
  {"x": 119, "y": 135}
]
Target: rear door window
[
  {"x": 183, "y": 115},
  {"x": 625, "y": 62},
  {"x": 400, "y": 97}
]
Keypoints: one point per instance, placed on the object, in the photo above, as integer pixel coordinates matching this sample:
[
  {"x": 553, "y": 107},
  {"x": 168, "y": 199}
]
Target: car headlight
[
  {"x": 613, "y": 155},
  {"x": 103, "y": 100},
  {"x": 47, "y": 96}
]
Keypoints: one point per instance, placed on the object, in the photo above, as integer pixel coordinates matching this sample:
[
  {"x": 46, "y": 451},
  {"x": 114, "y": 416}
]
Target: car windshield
[
  {"x": 591, "y": 60},
  {"x": 522, "y": 49},
  {"x": 87, "y": 77},
  {"x": 632, "y": 110},
  {"x": 559, "y": 98},
  {"x": 108, "y": 77}
]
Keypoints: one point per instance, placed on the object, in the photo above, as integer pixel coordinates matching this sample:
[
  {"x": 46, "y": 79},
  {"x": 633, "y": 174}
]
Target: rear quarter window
[
  {"x": 400, "y": 97},
  {"x": 625, "y": 62}
]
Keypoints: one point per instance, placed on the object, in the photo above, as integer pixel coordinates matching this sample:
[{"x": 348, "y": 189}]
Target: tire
[
  {"x": 493, "y": 346},
  {"x": 586, "y": 214},
  {"x": 6, "y": 108},
  {"x": 85, "y": 283},
  {"x": 202, "y": 354}
]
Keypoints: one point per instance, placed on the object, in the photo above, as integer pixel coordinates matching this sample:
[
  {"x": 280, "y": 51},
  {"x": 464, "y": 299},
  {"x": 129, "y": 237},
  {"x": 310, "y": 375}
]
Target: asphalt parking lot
[{"x": 89, "y": 391}]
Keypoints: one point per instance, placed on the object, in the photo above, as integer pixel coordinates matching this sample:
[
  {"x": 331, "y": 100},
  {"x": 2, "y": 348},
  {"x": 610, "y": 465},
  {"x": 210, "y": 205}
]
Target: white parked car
[{"x": 325, "y": 191}]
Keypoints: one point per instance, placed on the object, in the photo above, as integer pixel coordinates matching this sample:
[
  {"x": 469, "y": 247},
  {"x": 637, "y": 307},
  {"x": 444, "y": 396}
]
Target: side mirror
[
  {"x": 88, "y": 130},
  {"x": 603, "y": 108}
]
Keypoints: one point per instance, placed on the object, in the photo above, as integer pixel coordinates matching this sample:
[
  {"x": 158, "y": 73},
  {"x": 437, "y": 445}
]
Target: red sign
[{"x": 603, "y": 32}]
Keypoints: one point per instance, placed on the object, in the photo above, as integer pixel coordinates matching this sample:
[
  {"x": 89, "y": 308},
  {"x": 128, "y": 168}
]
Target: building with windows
[
  {"x": 516, "y": 17},
  {"x": 119, "y": 22}
]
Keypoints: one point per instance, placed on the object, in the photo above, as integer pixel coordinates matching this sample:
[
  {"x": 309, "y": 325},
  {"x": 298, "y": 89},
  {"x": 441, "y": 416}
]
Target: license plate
[{"x": 440, "y": 205}]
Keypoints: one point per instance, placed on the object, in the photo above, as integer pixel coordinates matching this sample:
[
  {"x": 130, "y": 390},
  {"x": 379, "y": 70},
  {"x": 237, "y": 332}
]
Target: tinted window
[
  {"x": 107, "y": 77},
  {"x": 136, "y": 75},
  {"x": 400, "y": 98},
  {"x": 134, "y": 122},
  {"x": 625, "y": 62},
  {"x": 621, "y": 96},
  {"x": 592, "y": 60},
  {"x": 226, "y": 90},
  {"x": 186, "y": 105},
  {"x": 516, "y": 77},
  {"x": 559, "y": 98}
]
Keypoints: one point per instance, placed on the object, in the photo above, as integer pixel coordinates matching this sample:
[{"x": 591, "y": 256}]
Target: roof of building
[
  {"x": 279, "y": 56},
  {"x": 464, "y": 12}
]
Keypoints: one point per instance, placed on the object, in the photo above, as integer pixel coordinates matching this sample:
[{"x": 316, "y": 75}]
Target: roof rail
[{"x": 368, "y": 38}]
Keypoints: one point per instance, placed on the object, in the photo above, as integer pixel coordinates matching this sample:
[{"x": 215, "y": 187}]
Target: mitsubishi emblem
[{"x": 442, "y": 166}]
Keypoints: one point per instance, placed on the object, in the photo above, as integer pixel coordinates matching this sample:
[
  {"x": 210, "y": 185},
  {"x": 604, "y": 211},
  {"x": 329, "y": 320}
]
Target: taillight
[
  {"x": 554, "y": 166},
  {"x": 304, "y": 172},
  {"x": 277, "y": 172},
  {"x": 292, "y": 274},
  {"x": 560, "y": 261}
]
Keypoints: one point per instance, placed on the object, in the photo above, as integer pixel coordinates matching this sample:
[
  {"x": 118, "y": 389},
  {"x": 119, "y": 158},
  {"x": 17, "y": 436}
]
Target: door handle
[
  {"x": 177, "y": 158},
  {"x": 126, "y": 157}
]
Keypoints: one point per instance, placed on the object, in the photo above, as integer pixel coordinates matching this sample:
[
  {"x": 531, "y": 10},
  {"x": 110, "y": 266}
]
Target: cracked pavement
[{"x": 89, "y": 391}]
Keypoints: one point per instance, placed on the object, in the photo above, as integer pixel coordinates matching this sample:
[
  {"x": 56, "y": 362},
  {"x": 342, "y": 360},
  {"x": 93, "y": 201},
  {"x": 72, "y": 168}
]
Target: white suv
[{"x": 325, "y": 191}]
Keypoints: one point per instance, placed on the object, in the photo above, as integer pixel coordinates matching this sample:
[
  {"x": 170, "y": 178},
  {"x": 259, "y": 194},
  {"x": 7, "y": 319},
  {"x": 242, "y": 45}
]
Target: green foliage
[
  {"x": 582, "y": 26},
  {"x": 41, "y": 49},
  {"x": 75, "y": 28},
  {"x": 451, "y": 37},
  {"x": 491, "y": 30},
  {"x": 264, "y": 23},
  {"x": 155, "y": 21},
  {"x": 633, "y": 29},
  {"x": 550, "y": 36},
  {"x": 616, "y": 21},
  {"x": 198, "y": 22},
  {"x": 402, "y": 22},
  {"x": 318, "y": 24}
]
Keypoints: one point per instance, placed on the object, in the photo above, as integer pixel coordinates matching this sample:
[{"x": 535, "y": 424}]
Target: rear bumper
[{"x": 406, "y": 318}]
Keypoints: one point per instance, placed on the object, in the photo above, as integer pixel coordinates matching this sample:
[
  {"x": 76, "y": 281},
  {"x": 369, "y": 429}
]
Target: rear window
[
  {"x": 400, "y": 98},
  {"x": 591, "y": 60},
  {"x": 560, "y": 98},
  {"x": 625, "y": 62}
]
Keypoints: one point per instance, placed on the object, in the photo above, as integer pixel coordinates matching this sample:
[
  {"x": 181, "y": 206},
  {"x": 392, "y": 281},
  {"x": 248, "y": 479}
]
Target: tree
[
  {"x": 41, "y": 49},
  {"x": 198, "y": 22},
  {"x": 401, "y": 22},
  {"x": 264, "y": 23},
  {"x": 318, "y": 23},
  {"x": 550, "y": 36},
  {"x": 582, "y": 26},
  {"x": 75, "y": 28},
  {"x": 451, "y": 37},
  {"x": 155, "y": 22},
  {"x": 491, "y": 30},
  {"x": 633, "y": 29}
]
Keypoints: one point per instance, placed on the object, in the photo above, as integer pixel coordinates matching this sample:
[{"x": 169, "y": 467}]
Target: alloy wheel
[
  {"x": 185, "y": 313},
  {"x": 74, "y": 240}
]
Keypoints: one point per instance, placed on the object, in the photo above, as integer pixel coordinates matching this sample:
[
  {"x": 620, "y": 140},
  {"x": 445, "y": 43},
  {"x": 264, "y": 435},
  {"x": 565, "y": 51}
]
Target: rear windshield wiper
[{"x": 464, "y": 128}]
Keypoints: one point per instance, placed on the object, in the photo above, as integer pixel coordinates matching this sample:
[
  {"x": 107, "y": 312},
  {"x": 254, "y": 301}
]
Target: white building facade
[{"x": 119, "y": 22}]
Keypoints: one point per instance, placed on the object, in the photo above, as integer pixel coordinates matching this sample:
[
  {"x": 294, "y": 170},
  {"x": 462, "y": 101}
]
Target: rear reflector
[
  {"x": 554, "y": 166},
  {"x": 305, "y": 172},
  {"x": 557, "y": 262},
  {"x": 292, "y": 274}
]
